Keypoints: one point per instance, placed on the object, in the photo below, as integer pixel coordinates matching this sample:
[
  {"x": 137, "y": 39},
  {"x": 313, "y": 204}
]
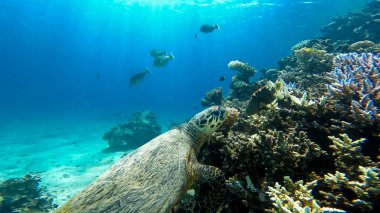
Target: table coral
[{"x": 244, "y": 71}]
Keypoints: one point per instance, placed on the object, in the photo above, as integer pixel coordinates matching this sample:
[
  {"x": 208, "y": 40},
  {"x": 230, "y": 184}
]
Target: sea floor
[{"x": 65, "y": 152}]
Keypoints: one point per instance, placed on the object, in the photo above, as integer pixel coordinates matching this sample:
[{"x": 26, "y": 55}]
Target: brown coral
[
  {"x": 212, "y": 98},
  {"x": 25, "y": 195},
  {"x": 244, "y": 71}
]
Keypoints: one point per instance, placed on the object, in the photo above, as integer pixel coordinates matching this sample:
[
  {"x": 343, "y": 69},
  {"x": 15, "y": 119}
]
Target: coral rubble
[
  {"x": 141, "y": 127},
  {"x": 25, "y": 195}
]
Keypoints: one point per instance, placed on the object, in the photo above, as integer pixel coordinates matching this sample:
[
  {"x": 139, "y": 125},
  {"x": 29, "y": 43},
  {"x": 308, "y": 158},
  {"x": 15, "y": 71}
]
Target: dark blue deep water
[{"x": 52, "y": 52}]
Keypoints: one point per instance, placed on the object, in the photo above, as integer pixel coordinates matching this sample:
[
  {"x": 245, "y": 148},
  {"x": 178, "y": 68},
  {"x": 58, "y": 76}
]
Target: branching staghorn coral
[
  {"x": 296, "y": 197},
  {"x": 356, "y": 79},
  {"x": 365, "y": 186},
  {"x": 347, "y": 154},
  {"x": 356, "y": 174}
]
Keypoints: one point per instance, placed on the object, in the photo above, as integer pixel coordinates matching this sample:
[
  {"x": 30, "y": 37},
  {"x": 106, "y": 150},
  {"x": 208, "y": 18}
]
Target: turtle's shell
[
  {"x": 150, "y": 179},
  {"x": 155, "y": 176}
]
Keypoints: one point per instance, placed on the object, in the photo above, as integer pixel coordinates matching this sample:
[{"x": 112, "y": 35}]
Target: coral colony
[
  {"x": 356, "y": 78},
  {"x": 307, "y": 138}
]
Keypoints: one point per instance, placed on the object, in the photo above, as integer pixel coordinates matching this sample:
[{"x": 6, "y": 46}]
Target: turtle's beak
[{"x": 232, "y": 115}]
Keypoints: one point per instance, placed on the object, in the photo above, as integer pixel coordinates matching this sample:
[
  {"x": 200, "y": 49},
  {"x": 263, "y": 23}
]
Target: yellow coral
[
  {"x": 296, "y": 197},
  {"x": 305, "y": 54}
]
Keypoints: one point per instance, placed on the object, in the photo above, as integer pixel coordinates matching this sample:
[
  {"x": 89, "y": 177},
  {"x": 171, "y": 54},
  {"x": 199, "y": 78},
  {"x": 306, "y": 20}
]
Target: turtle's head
[{"x": 210, "y": 119}]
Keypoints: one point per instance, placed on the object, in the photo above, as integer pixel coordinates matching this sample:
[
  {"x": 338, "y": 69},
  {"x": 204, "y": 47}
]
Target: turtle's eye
[{"x": 216, "y": 113}]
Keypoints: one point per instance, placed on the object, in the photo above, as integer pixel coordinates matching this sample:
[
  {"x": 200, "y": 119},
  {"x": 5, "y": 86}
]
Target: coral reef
[
  {"x": 141, "y": 127},
  {"x": 289, "y": 127},
  {"x": 24, "y": 195},
  {"x": 274, "y": 151},
  {"x": 355, "y": 185},
  {"x": 355, "y": 79},
  {"x": 212, "y": 98},
  {"x": 313, "y": 60},
  {"x": 361, "y": 46},
  {"x": 358, "y": 26},
  {"x": 348, "y": 155},
  {"x": 270, "y": 74},
  {"x": 296, "y": 197},
  {"x": 240, "y": 86},
  {"x": 243, "y": 70}
]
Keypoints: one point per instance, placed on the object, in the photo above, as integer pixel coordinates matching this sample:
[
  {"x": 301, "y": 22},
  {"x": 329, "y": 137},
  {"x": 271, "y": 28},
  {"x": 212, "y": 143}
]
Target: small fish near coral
[
  {"x": 139, "y": 77},
  {"x": 208, "y": 28}
]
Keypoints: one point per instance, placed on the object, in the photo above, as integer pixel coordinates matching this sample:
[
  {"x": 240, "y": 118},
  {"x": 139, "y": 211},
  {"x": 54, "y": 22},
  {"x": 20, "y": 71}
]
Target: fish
[
  {"x": 222, "y": 78},
  {"x": 208, "y": 28},
  {"x": 196, "y": 36},
  {"x": 161, "y": 61},
  {"x": 137, "y": 78},
  {"x": 157, "y": 53},
  {"x": 98, "y": 76}
]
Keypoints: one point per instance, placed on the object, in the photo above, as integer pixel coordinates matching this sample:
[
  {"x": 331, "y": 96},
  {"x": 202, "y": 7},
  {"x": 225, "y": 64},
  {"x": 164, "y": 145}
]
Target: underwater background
[
  {"x": 65, "y": 67},
  {"x": 52, "y": 52}
]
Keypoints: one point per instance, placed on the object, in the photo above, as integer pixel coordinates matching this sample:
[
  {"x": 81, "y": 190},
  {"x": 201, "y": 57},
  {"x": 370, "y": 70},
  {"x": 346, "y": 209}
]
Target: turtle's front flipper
[{"x": 210, "y": 189}]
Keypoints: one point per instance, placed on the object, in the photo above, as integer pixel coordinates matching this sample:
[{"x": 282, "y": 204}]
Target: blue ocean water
[
  {"x": 65, "y": 64},
  {"x": 52, "y": 51}
]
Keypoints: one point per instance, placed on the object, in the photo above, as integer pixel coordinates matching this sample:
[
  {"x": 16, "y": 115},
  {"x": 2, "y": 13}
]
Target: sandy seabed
[{"x": 66, "y": 154}]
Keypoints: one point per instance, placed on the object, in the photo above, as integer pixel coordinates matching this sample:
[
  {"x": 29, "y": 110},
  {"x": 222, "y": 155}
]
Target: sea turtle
[{"x": 154, "y": 177}]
